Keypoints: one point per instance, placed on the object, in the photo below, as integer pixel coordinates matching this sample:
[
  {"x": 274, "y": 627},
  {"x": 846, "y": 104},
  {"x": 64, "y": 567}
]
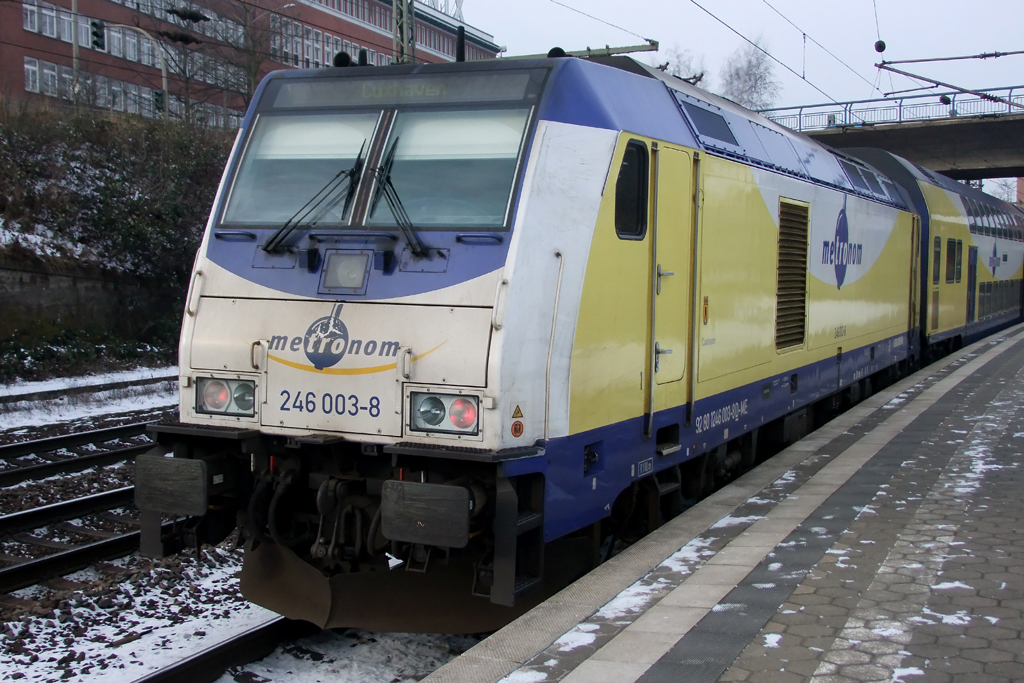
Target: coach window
[
  {"x": 631, "y": 193},
  {"x": 936, "y": 260},
  {"x": 950, "y": 261},
  {"x": 959, "y": 258}
]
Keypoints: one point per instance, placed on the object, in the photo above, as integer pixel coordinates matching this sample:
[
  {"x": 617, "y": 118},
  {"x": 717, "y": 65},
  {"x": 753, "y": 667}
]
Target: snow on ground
[
  {"x": 117, "y": 632},
  {"x": 26, "y": 414},
  {"x": 354, "y": 656},
  {"x": 729, "y": 520},
  {"x": 18, "y": 388}
]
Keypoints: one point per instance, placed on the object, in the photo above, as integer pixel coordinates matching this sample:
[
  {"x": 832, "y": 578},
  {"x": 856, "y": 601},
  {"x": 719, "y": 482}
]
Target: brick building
[{"x": 215, "y": 51}]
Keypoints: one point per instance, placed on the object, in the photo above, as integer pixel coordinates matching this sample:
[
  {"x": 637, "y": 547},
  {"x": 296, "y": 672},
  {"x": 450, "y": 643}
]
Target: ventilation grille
[{"x": 791, "y": 311}]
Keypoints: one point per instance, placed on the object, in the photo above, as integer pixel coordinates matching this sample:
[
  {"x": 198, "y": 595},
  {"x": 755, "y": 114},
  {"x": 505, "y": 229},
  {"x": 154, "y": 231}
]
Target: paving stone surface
[
  {"x": 927, "y": 584},
  {"x": 910, "y": 569}
]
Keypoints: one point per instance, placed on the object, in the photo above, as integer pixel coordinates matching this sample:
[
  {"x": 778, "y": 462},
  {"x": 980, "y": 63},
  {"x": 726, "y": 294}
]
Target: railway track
[
  {"x": 256, "y": 643},
  {"x": 66, "y": 557},
  {"x": 49, "y": 558},
  {"x": 66, "y": 454}
]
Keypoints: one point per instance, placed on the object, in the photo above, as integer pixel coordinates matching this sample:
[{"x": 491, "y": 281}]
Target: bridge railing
[{"x": 896, "y": 110}]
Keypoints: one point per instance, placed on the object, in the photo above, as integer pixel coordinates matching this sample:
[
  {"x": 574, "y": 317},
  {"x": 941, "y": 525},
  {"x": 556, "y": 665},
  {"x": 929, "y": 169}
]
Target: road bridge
[{"x": 973, "y": 136}]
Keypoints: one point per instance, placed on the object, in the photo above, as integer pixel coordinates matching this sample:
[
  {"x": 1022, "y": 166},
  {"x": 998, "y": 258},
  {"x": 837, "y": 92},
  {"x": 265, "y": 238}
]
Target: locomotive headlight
[
  {"x": 244, "y": 396},
  {"x": 225, "y": 396},
  {"x": 430, "y": 410}
]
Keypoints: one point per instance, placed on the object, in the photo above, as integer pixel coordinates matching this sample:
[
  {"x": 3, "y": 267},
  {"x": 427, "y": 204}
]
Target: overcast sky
[{"x": 912, "y": 29}]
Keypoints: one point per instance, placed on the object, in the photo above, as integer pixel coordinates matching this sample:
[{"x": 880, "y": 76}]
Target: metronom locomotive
[{"x": 454, "y": 328}]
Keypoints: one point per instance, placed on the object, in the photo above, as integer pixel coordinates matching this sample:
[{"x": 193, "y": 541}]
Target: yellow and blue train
[{"x": 453, "y": 329}]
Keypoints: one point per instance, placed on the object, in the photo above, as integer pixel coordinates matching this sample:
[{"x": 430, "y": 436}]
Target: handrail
[{"x": 893, "y": 110}]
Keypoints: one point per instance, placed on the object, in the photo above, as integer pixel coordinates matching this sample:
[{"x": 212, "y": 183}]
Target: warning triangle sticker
[{"x": 517, "y": 412}]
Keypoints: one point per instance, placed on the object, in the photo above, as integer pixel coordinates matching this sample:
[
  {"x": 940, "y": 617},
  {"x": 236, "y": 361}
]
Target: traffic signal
[
  {"x": 158, "y": 100},
  {"x": 99, "y": 35}
]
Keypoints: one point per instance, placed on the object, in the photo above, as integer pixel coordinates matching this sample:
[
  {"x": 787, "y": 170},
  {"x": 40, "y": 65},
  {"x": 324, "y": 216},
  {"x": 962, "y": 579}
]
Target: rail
[
  {"x": 930, "y": 107},
  {"x": 209, "y": 665},
  {"x": 23, "y": 468}
]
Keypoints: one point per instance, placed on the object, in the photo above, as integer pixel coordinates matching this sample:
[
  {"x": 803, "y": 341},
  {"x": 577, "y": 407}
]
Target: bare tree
[
  {"x": 748, "y": 78},
  {"x": 685, "y": 65},
  {"x": 251, "y": 55},
  {"x": 1003, "y": 188}
]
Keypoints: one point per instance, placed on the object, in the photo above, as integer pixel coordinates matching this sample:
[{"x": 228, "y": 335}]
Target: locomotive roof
[
  {"x": 620, "y": 93},
  {"x": 729, "y": 129}
]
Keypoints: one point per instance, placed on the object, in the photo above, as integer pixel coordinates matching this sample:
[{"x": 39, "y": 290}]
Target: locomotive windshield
[
  {"x": 289, "y": 159},
  {"x": 453, "y": 168},
  {"x": 452, "y": 142}
]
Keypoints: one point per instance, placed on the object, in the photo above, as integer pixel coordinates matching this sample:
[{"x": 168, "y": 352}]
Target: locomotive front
[{"x": 335, "y": 351}]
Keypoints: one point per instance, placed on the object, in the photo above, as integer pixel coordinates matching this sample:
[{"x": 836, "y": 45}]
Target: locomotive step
[
  {"x": 668, "y": 448},
  {"x": 528, "y": 521}
]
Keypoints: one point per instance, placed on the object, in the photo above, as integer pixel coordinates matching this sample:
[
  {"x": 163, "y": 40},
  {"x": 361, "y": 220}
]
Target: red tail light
[{"x": 462, "y": 413}]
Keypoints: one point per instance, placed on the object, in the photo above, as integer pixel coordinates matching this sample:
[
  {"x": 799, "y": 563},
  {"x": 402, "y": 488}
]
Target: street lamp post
[{"x": 159, "y": 52}]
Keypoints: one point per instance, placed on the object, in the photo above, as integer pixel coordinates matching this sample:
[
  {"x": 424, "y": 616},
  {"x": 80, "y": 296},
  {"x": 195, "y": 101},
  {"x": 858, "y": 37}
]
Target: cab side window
[{"x": 631, "y": 193}]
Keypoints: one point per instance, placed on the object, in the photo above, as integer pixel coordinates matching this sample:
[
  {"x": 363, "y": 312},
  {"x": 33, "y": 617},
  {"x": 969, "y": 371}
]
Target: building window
[
  {"x": 84, "y": 35},
  {"x": 115, "y": 46},
  {"x": 30, "y": 19},
  {"x": 117, "y": 95},
  {"x": 67, "y": 77},
  {"x": 318, "y": 49},
  {"x": 146, "y": 55},
  {"x": 131, "y": 46},
  {"x": 48, "y": 20},
  {"x": 131, "y": 97},
  {"x": 101, "y": 99},
  {"x": 49, "y": 83},
  {"x": 31, "y": 75},
  {"x": 146, "y": 101},
  {"x": 65, "y": 27},
  {"x": 296, "y": 51}
]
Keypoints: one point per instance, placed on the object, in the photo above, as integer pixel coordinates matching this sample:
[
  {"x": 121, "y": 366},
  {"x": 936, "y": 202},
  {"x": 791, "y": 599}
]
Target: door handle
[
  {"x": 406, "y": 365},
  {"x": 498, "y": 313},
  {"x": 662, "y": 274},
  {"x": 253, "y": 360},
  {"x": 193, "y": 296},
  {"x": 658, "y": 353}
]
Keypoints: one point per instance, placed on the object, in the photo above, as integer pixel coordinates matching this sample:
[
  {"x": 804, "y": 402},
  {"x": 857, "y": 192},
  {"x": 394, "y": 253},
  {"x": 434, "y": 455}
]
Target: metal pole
[
  {"x": 984, "y": 96},
  {"x": 160, "y": 54},
  {"x": 74, "y": 38}
]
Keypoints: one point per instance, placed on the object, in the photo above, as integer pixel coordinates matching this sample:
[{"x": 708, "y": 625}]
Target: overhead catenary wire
[
  {"x": 758, "y": 47},
  {"x": 811, "y": 38},
  {"x": 606, "y": 23}
]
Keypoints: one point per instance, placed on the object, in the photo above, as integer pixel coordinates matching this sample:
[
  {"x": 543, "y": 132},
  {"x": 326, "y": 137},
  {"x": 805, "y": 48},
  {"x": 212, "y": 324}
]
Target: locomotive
[{"x": 453, "y": 329}]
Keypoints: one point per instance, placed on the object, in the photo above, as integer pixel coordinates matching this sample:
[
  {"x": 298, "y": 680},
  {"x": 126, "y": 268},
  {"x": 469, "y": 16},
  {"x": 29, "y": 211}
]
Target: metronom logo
[
  {"x": 840, "y": 252},
  {"x": 327, "y": 341}
]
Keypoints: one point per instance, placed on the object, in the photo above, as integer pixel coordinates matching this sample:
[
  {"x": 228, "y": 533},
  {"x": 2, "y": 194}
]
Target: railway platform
[{"x": 882, "y": 547}]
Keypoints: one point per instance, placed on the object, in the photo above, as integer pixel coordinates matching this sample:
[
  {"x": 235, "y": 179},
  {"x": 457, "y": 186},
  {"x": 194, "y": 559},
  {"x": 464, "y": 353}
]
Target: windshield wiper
[
  {"x": 390, "y": 194},
  {"x": 332, "y": 186}
]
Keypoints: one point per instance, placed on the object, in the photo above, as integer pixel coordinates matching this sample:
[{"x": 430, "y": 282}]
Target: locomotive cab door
[{"x": 671, "y": 277}]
